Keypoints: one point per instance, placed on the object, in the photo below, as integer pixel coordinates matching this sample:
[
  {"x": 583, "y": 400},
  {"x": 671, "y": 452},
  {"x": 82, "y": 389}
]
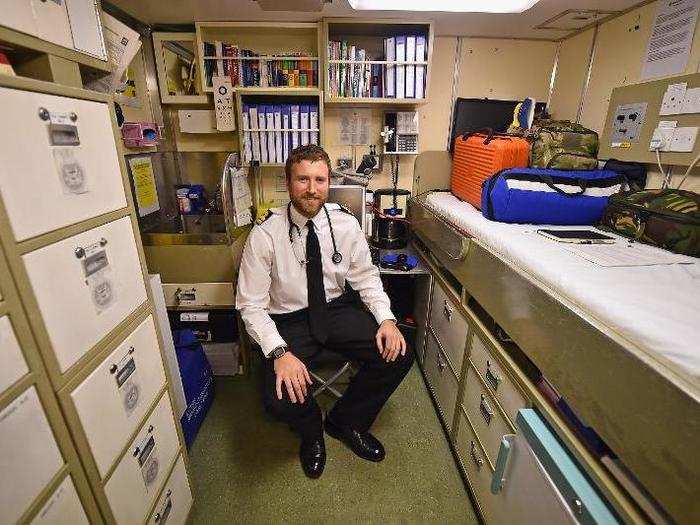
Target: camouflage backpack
[
  {"x": 667, "y": 218},
  {"x": 564, "y": 145}
]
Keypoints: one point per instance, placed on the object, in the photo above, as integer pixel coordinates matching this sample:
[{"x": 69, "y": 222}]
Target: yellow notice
[{"x": 144, "y": 185}]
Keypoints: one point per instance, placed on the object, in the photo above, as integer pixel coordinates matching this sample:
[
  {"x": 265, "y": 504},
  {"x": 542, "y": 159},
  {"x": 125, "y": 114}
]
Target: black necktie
[{"x": 318, "y": 312}]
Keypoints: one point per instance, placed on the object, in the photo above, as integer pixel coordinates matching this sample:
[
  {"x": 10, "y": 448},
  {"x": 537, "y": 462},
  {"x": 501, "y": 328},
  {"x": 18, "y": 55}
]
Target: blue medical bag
[
  {"x": 548, "y": 196},
  {"x": 197, "y": 382}
]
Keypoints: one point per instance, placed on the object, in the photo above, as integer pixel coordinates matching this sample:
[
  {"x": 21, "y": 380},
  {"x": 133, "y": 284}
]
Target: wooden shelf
[
  {"x": 265, "y": 57},
  {"x": 376, "y": 101},
  {"x": 384, "y": 62}
]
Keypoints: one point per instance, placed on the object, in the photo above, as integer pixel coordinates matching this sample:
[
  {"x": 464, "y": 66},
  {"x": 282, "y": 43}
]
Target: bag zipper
[{"x": 665, "y": 214}]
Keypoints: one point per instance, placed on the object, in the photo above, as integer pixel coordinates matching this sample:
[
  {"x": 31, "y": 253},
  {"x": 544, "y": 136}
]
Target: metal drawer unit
[
  {"x": 485, "y": 414},
  {"x": 441, "y": 378},
  {"x": 175, "y": 500},
  {"x": 14, "y": 366},
  {"x": 112, "y": 401},
  {"x": 421, "y": 314},
  {"x": 79, "y": 272},
  {"x": 449, "y": 326},
  {"x": 494, "y": 376},
  {"x": 135, "y": 483},
  {"x": 68, "y": 160},
  {"x": 63, "y": 506}
]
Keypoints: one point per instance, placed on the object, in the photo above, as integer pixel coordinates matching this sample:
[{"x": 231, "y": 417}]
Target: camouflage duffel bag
[
  {"x": 563, "y": 145},
  {"x": 667, "y": 218}
]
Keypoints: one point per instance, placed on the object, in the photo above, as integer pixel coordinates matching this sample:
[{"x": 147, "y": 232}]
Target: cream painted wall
[
  {"x": 572, "y": 67},
  {"x": 619, "y": 51}
]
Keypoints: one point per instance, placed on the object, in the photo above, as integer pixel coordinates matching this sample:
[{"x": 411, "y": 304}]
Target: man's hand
[
  {"x": 390, "y": 341},
  {"x": 293, "y": 373}
]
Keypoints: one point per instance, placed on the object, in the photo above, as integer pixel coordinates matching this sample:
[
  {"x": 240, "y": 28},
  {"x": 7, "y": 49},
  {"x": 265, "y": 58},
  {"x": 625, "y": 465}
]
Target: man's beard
[{"x": 308, "y": 205}]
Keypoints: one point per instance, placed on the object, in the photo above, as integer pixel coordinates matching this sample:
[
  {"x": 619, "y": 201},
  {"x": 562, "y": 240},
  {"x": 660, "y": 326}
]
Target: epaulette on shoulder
[
  {"x": 343, "y": 208},
  {"x": 263, "y": 219}
]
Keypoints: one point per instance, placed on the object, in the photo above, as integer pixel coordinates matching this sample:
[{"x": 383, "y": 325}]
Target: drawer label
[
  {"x": 98, "y": 274},
  {"x": 194, "y": 316},
  {"x": 70, "y": 169},
  {"x": 148, "y": 461},
  {"x": 128, "y": 384}
]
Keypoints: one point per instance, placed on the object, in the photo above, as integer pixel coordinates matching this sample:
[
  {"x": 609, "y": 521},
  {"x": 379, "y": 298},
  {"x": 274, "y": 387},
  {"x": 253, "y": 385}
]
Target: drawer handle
[
  {"x": 498, "y": 479},
  {"x": 165, "y": 510},
  {"x": 137, "y": 450},
  {"x": 492, "y": 378},
  {"x": 185, "y": 295},
  {"x": 447, "y": 311},
  {"x": 477, "y": 459},
  {"x": 80, "y": 251},
  {"x": 486, "y": 410},
  {"x": 114, "y": 367}
]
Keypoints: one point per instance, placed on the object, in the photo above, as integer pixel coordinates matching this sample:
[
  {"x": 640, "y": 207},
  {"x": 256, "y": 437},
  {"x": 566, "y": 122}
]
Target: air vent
[
  {"x": 574, "y": 19},
  {"x": 292, "y": 5}
]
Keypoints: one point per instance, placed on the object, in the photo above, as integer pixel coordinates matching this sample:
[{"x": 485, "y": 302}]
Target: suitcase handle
[
  {"x": 549, "y": 182},
  {"x": 489, "y": 132}
]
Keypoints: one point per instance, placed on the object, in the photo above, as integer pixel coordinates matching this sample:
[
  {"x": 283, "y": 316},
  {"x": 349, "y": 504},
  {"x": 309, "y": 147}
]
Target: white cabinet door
[
  {"x": 85, "y": 286},
  {"x": 176, "y": 499},
  {"x": 113, "y": 399},
  {"x": 19, "y": 15},
  {"x": 86, "y": 27},
  {"x": 62, "y": 168},
  {"x": 139, "y": 476},
  {"x": 29, "y": 456},
  {"x": 62, "y": 508},
  {"x": 52, "y": 22},
  {"x": 12, "y": 363}
]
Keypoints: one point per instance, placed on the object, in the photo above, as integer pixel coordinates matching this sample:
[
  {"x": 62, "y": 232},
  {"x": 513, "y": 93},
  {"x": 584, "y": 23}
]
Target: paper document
[
  {"x": 144, "y": 185},
  {"x": 668, "y": 48},
  {"x": 122, "y": 44},
  {"x": 354, "y": 127},
  {"x": 624, "y": 253},
  {"x": 242, "y": 199}
]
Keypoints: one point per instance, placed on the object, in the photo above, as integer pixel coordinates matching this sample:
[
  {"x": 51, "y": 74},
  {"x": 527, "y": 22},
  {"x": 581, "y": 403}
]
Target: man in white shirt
[{"x": 292, "y": 297}]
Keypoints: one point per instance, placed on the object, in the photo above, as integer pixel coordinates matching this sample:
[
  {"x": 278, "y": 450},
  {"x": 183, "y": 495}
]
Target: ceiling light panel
[{"x": 453, "y": 6}]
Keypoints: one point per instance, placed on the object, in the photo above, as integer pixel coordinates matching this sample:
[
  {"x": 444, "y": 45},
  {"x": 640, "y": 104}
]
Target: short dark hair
[{"x": 312, "y": 152}]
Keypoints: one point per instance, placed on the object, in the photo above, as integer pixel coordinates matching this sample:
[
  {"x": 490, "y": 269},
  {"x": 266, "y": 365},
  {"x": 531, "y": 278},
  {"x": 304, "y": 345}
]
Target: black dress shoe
[
  {"x": 313, "y": 456},
  {"x": 363, "y": 444}
]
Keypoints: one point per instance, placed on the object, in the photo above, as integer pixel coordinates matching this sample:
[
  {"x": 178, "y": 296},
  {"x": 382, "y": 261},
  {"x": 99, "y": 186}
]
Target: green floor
[{"x": 245, "y": 466}]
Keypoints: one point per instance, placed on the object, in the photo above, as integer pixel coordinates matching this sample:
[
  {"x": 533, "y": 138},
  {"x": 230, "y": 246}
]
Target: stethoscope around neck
[{"x": 337, "y": 257}]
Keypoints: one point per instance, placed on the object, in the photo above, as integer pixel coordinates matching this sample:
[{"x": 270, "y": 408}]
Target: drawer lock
[
  {"x": 475, "y": 456},
  {"x": 492, "y": 378},
  {"x": 486, "y": 410},
  {"x": 447, "y": 311},
  {"x": 189, "y": 295}
]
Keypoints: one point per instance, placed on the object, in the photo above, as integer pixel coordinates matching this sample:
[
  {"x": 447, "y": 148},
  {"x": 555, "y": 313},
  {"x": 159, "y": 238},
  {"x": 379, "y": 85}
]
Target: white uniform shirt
[{"x": 272, "y": 279}]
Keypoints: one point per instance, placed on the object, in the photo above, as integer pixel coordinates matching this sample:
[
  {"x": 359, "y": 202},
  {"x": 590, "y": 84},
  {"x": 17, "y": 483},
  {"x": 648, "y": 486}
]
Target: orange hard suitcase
[{"x": 479, "y": 155}]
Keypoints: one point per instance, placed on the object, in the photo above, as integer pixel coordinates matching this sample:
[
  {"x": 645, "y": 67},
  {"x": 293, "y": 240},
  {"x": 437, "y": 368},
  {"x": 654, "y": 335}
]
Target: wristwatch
[{"x": 278, "y": 352}]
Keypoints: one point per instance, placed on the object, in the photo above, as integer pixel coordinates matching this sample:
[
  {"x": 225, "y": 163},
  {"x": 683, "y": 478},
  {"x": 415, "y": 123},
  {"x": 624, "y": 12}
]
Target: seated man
[{"x": 291, "y": 287}]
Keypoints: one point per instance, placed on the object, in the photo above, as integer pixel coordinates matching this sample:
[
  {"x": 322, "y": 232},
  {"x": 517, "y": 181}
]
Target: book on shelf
[
  {"x": 270, "y": 126},
  {"x": 390, "y": 70},
  {"x": 286, "y": 135},
  {"x": 247, "y": 143},
  {"x": 277, "y": 111},
  {"x": 304, "y": 123},
  {"x": 400, "y": 69},
  {"x": 254, "y": 135},
  {"x": 420, "y": 69},
  {"x": 295, "y": 126},
  {"x": 313, "y": 123},
  {"x": 410, "y": 68},
  {"x": 264, "y": 157}
]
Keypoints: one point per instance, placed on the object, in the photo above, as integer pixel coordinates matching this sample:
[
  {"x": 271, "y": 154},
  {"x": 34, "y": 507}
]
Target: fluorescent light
[{"x": 454, "y": 6}]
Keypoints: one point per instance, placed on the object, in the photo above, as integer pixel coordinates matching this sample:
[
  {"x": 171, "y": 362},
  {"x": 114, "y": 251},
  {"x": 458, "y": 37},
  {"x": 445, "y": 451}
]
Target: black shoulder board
[
  {"x": 263, "y": 219},
  {"x": 343, "y": 208}
]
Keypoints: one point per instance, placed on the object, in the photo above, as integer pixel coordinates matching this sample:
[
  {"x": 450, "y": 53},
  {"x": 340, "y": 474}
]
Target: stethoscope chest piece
[{"x": 337, "y": 257}]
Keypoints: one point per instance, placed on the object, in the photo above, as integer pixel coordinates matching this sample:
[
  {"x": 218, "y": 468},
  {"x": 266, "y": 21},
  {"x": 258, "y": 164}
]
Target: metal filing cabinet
[
  {"x": 441, "y": 378},
  {"x": 30, "y": 455},
  {"x": 101, "y": 283},
  {"x": 67, "y": 158},
  {"x": 176, "y": 499},
  {"x": 449, "y": 325},
  {"x": 63, "y": 507},
  {"x": 113, "y": 399},
  {"x": 100, "y": 440},
  {"x": 14, "y": 366}
]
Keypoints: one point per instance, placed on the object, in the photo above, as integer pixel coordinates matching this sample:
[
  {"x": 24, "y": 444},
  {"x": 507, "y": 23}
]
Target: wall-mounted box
[
  {"x": 197, "y": 121},
  {"x": 141, "y": 134}
]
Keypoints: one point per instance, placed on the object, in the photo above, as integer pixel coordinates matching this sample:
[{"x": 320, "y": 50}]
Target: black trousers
[{"x": 352, "y": 333}]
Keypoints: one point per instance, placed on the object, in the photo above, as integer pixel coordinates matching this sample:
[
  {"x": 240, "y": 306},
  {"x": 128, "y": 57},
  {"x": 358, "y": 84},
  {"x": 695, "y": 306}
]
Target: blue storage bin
[
  {"x": 197, "y": 382},
  {"x": 546, "y": 196}
]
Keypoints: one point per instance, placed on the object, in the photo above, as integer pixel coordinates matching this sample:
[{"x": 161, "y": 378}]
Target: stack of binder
[
  {"x": 352, "y": 76},
  {"x": 271, "y": 132}
]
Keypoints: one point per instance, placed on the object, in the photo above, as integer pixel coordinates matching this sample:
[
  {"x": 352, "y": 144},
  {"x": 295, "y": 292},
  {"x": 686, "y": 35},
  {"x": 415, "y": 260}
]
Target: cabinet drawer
[
  {"x": 175, "y": 501},
  {"x": 490, "y": 425},
  {"x": 19, "y": 15},
  {"x": 29, "y": 456},
  {"x": 136, "y": 482},
  {"x": 502, "y": 387},
  {"x": 52, "y": 22},
  {"x": 441, "y": 379},
  {"x": 63, "y": 507},
  {"x": 449, "y": 326},
  {"x": 116, "y": 395},
  {"x": 63, "y": 184},
  {"x": 420, "y": 314},
  {"x": 476, "y": 464},
  {"x": 100, "y": 284},
  {"x": 13, "y": 364},
  {"x": 200, "y": 294}
]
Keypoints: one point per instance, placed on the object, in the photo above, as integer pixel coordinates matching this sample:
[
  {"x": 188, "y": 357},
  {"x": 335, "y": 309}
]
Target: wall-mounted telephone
[{"x": 400, "y": 132}]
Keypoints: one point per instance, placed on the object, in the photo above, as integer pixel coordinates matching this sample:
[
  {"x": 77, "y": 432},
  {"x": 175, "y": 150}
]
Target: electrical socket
[
  {"x": 661, "y": 139},
  {"x": 683, "y": 139}
]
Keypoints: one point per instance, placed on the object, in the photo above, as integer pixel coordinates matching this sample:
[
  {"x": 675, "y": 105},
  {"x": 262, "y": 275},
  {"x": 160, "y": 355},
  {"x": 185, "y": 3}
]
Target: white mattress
[{"x": 656, "y": 308}]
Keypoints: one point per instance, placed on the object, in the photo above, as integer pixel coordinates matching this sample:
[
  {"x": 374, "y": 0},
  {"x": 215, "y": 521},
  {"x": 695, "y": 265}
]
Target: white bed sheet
[{"x": 657, "y": 308}]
